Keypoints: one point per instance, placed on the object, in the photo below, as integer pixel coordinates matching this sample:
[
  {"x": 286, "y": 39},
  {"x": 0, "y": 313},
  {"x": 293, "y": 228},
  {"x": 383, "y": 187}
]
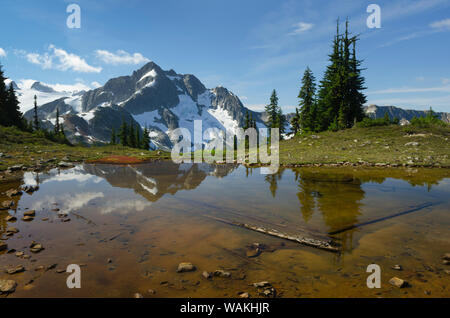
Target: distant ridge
[{"x": 375, "y": 111}]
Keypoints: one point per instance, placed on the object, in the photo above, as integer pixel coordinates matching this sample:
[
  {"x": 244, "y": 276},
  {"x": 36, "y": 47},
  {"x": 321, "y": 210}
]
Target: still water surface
[{"x": 146, "y": 219}]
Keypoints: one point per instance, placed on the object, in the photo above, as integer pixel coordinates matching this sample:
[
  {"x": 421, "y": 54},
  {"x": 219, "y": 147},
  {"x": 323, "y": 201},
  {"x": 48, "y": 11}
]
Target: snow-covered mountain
[
  {"x": 161, "y": 100},
  {"x": 45, "y": 93}
]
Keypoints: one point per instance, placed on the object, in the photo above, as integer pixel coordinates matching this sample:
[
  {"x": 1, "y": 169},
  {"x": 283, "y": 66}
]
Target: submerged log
[
  {"x": 413, "y": 209},
  {"x": 84, "y": 218},
  {"x": 320, "y": 244}
]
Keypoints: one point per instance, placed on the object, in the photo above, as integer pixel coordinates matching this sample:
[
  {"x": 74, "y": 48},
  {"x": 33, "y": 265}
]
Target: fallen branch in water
[
  {"x": 320, "y": 244},
  {"x": 414, "y": 209},
  {"x": 84, "y": 218}
]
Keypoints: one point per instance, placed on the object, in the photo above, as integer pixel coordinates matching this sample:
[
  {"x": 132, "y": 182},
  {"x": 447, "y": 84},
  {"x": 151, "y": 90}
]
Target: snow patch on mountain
[
  {"x": 150, "y": 119},
  {"x": 152, "y": 73}
]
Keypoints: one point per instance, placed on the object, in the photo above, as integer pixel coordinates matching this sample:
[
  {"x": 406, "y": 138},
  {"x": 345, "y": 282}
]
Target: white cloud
[
  {"x": 120, "y": 57},
  {"x": 77, "y": 87},
  {"x": 60, "y": 59},
  {"x": 96, "y": 84},
  {"x": 443, "y": 24},
  {"x": 70, "y": 202},
  {"x": 256, "y": 107},
  {"x": 301, "y": 27},
  {"x": 2, "y": 52}
]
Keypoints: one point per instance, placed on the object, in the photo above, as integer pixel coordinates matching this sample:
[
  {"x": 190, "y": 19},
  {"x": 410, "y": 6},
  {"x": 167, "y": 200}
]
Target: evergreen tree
[
  {"x": 10, "y": 114},
  {"x": 328, "y": 95},
  {"x": 281, "y": 122},
  {"x": 62, "y": 132},
  {"x": 246, "y": 121},
  {"x": 113, "y": 137},
  {"x": 138, "y": 137},
  {"x": 4, "y": 120},
  {"x": 36, "y": 119},
  {"x": 272, "y": 110},
  {"x": 131, "y": 136},
  {"x": 386, "y": 117},
  {"x": 57, "y": 128},
  {"x": 123, "y": 134},
  {"x": 357, "y": 98},
  {"x": 13, "y": 113},
  {"x": 146, "y": 139},
  {"x": 295, "y": 122},
  {"x": 307, "y": 102},
  {"x": 340, "y": 97},
  {"x": 275, "y": 119}
]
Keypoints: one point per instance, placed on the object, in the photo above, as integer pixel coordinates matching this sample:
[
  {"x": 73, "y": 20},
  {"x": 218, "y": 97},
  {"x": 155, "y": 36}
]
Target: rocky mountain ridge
[{"x": 151, "y": 97}]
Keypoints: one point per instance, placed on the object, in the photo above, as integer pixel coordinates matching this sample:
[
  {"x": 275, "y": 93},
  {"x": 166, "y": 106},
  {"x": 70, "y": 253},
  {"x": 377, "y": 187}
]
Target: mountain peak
[{"x": 42, "y": 87}]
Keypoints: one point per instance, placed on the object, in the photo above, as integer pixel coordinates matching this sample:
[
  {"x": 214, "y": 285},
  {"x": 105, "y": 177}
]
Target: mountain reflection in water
[
  {"x": 328, "y": 199},
  {"x": 148, "y": 218}
]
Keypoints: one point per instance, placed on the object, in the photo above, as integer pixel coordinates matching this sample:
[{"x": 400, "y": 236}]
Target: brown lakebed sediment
[{"x": 131, "y": 226}]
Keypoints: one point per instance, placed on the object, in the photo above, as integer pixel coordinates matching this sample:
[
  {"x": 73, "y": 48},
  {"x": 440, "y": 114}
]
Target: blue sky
[{"x": 248, "y": 46}]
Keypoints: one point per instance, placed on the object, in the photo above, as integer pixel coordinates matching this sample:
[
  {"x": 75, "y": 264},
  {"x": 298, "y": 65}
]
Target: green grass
[
  {"x": 372, "y": 145},
  {"x": 28, "y": 149},
  {"x": 382, "y": 145}
]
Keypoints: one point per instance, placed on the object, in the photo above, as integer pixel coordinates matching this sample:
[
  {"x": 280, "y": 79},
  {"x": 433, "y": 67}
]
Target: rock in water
[
  {"x": 15, "y": 270},
  {"x": 63, "y": 164},
  {"x": 185, "y": 267},
  {"x": 222, "y": 273},
  {"x": 12, "y": 193},
  {"x": 397, "y": 267},
  {"x": 6, "y": 205},
  {"x": 253, "y": 251},
  {"x": 397, "y": 282},
  {"x": 30, "y": 188},
  {"x": 16, "y": 168},
  {"x": 10, "y": 218},
  {"x": 36, "y": 247},
  {"x": 137, "y": 295},
  {"x": 261, "y": 284},
  {"x": 12, "y": 230},
  {"x": 29, "y": 213},
  {"x": 446, "y": 257},
  {"x": 269, "y": 292},
  {"x": 7, "y": 286},
  {"x": 3, "y": 246},
  {"x": 206, "y": 275}
]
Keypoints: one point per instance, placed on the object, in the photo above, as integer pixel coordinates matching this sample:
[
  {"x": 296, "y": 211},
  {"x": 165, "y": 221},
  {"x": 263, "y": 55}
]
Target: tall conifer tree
[
  {"x": 36, "y": 119},
  {"x": 307, "y": 101},
  {"x": 13, "y": 113},
  {"x": 4, "y": 121}
]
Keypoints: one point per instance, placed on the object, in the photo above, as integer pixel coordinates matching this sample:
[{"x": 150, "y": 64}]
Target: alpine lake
[{"x": 129, "y": 227}]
